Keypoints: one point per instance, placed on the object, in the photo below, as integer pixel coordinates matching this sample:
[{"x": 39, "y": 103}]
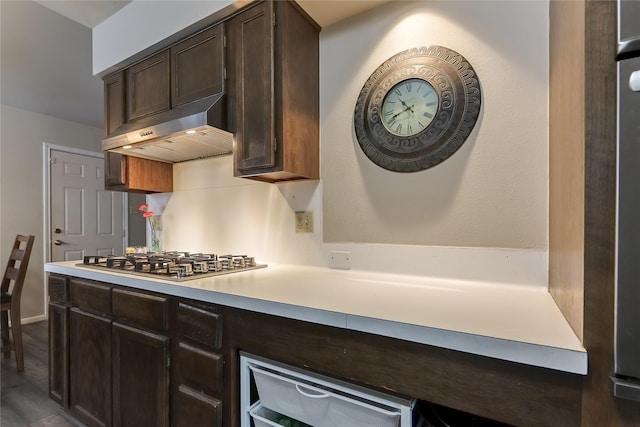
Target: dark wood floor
[{"x": 24, "y": 396}]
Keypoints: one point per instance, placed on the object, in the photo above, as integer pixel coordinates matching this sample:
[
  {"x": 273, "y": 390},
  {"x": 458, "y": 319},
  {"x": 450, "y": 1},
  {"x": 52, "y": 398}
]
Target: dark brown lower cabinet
[
  {"x": 199, "y": 367},
  {"x": 59, "y": 339},
  {"x": 120, "y": 340},
  {"x": 59, "y": 353},
  {"x": 140, "y": 377},
  {"x": 116, "y": 358},
  {"x": 90, "y": 367}
]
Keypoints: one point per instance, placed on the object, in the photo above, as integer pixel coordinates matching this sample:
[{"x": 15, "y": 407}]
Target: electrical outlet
[
  {"x": 304, "y": 222},
  {"x": 340, "y": 259}
]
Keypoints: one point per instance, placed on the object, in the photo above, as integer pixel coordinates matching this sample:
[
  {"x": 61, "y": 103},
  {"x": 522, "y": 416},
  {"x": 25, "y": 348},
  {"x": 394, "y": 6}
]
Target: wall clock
[{"x": 417, "y": 109}]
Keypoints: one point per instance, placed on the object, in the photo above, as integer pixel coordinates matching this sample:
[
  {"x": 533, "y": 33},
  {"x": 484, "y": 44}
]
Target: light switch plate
[{"x": 304, "y": 222}]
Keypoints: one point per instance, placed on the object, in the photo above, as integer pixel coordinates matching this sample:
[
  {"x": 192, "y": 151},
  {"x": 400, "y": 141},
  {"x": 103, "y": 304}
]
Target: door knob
[
  {"x": 57, "y": 231},
  {"x": 58, "y": 242}
]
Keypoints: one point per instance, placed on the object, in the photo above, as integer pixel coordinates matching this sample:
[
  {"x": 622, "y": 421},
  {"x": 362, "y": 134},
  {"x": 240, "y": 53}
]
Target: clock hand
[
  {"x": 406, "y": 106},
  {"x": 397, "y": 114}
]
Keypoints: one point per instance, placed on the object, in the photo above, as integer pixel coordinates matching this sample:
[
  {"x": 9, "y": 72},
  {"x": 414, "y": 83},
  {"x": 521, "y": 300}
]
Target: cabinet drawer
[
  {"x": 200, "y": 324},
  {"x": 196, "y": 409},
  {"x": 141, "y": 309},
  {"x": 58, "y": 288},
  {"x": 200, "y": 369},
  {"x": 91, "y": 296}
]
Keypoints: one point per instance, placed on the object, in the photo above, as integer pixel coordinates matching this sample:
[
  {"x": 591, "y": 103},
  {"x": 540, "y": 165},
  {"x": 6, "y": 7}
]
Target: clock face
[{"x": 409, "y": 107}]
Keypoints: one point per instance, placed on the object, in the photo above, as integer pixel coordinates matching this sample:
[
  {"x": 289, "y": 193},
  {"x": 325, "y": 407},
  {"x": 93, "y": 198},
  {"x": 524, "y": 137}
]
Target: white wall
[
  {"x": 22, "y": 137},
  {"x": 490, "y": 193},
  {"x": 143, "y": 23},
  {"x": 46, "y": 64},
  {"x": 480, "y": 215},
  {"x": 47, "y": 89}
]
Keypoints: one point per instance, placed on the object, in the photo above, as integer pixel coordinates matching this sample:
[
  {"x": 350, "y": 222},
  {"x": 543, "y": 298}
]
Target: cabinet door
[
  {"x": 114, "y": 109},
  {"x": 90, "y": 368},
  {"x": 252, "y": 88},
  {"x": 125, "y": 173},
  {"x": 140, "y": 377},
  {"x": 149, "y": 176},
  {"x": 115, "y": 170},
  {"x": 197, "y": 66},
  {"x": 148, "y": 86},
  {"x": 59, "y": 353}
]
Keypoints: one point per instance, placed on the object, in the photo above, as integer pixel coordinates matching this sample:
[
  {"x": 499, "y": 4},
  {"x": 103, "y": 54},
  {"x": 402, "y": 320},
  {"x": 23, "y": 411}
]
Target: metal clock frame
[{"x": 459, "y": 98}]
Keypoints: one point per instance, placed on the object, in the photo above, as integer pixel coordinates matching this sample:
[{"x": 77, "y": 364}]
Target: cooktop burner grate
[{"x": 176, "y": 266}]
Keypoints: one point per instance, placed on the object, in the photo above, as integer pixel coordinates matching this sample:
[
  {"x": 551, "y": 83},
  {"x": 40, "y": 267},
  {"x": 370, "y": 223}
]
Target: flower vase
[{"x": 156, "y": 246}]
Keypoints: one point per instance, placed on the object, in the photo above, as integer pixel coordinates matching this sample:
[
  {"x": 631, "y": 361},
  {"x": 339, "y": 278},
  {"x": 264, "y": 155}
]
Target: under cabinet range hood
[{"x": 193, "y": 131}]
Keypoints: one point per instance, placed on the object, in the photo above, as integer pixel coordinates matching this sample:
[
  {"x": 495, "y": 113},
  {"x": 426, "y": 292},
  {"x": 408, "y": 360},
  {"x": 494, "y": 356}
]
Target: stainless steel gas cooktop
[{"x": 176, "y": 266}]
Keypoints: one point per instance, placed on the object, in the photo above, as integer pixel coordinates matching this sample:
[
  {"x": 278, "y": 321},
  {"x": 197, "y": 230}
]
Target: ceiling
[
  {"x": 46, "y": 52},
  {"x": 87, "y": 13}
]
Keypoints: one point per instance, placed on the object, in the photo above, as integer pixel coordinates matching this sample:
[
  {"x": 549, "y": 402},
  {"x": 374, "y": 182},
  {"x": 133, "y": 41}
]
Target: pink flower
[
  {"x": 148, "y": 214},
  {"x": 143, "y": 207}
]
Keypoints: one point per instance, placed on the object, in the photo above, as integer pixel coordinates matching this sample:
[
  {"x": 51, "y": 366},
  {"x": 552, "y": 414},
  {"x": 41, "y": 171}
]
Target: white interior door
[{"x": 85, "y": 218}]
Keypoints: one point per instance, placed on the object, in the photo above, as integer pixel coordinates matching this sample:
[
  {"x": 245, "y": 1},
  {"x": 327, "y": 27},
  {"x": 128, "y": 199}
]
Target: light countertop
[{"x": 516, "y": 323}]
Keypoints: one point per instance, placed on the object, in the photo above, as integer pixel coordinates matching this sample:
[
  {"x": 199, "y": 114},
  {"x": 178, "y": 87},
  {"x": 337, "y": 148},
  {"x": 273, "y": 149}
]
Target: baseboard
[{"x": 28, "y": 320}]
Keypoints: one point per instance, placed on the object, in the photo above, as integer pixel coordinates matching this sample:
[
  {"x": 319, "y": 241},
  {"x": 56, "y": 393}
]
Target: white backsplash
[{"x": 211, "y": 211}]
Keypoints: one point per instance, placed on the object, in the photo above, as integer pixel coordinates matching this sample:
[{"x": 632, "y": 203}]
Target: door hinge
[
  {"x": 224, "y": 41},
  {"x": 168, "y": 359},
  {"x": 224, "y": 73},
  {"x": 52, "y": 160},
  {"x": 274, "y": 19},
  {"x": 275, "y": 145}
]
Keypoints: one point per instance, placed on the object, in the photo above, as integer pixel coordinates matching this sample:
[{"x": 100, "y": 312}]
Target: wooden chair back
[{"x": 17, "y": 267}]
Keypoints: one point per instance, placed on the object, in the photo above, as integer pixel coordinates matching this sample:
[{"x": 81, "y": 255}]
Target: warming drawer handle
[{"x": 314, "y": 394}]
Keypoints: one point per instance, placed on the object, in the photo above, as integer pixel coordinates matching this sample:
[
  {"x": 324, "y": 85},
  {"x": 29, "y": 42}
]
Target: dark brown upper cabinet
[
  {"x": 114, "y": 107},
  {"x": 127, "y": 89},
  {"x": 148, "y": 86},
  {"x": 187, "y": 71},
  {"x": 197, "y": 66},
  {"x": 137, "y": 175},
  {"x": 123, "y": 173},
  {"x": 274, "y": 92}
]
